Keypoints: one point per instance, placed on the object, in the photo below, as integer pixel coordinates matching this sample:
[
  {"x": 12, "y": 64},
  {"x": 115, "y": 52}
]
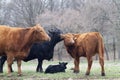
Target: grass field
[{"x": 112, "y": 70}]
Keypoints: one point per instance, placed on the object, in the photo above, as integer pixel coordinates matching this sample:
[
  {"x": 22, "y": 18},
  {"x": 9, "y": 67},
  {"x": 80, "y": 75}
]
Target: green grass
[{"x": 112, "y": 70}]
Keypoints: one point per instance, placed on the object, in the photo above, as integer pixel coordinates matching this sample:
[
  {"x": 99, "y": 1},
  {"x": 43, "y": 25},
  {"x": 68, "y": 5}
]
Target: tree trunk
[{"x": 114, "y": 48}]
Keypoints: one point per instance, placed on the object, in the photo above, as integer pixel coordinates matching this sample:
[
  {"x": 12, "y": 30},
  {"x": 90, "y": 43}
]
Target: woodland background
[{"x": 74, "y": 16}]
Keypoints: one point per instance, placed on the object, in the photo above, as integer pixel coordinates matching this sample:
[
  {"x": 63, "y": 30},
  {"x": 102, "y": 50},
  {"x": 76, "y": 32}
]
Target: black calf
[{"x": 56, "y": 68}]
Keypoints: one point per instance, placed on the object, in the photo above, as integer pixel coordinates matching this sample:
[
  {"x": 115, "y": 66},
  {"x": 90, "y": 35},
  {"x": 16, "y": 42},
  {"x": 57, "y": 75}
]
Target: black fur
[{"x": 56, "y": 68}]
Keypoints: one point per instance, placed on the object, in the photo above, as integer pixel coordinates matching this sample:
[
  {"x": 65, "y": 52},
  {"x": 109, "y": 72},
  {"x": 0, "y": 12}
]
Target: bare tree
[
  {"x": 24, "y": 12},
  {"x": 3, "y": 4},
  {"x": 75, "y": 16},
  {"x": 117, "y": 24}
]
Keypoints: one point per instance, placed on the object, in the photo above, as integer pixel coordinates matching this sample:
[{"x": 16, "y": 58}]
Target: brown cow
[
  {"x": 85, "y": 45},
  {"x": 15, "y": 42}
]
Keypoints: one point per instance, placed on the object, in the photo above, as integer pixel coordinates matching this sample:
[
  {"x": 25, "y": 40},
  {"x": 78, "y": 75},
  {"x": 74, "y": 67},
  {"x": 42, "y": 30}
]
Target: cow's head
[
  {"x": 63, "y": 64},
  {"x": 68, "y": 39},
  {"x": 54, "y": 33},
  {"x": 40, "y": 34}
]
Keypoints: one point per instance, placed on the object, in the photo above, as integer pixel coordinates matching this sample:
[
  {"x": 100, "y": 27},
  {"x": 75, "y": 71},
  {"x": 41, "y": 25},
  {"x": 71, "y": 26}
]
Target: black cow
[
  {"x": 40, "y": 51},
  {"x": 56, "y": 68}
]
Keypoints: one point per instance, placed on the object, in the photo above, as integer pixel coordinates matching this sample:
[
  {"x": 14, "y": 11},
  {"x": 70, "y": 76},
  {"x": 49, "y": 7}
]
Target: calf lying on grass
[{"x": 56, "y": 68}]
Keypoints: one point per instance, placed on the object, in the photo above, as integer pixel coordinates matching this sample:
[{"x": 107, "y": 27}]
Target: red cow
[
  {"x": 15, "y": 42},
  {"x": 85, "y": 45}
]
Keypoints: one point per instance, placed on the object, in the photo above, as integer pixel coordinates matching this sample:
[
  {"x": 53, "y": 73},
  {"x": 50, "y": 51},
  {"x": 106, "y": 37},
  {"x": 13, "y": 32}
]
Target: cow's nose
[{"x": 72, "y": 41}]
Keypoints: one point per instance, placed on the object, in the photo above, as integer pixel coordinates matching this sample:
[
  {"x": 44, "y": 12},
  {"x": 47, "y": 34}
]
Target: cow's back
[
  {"x": 88, "y": 43},
  {"x": 3, "y": 33},
  {"x": 9, "y": 37}
]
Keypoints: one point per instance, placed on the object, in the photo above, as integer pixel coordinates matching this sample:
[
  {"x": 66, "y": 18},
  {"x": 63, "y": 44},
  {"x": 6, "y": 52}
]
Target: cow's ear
[
  {"x": 76, "y": 36},
  {"x": 35, "y": 31},
  {"x": 37, "y": 28},
  {"x": 59, "y": 62},
  {"x": 37, "y": 25},
  {"x": 66, "y": 63},
  {"x": 62, "y": 36}
]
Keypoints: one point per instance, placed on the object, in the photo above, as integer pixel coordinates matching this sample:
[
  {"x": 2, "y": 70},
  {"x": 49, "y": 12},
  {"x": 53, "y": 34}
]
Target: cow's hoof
[
  {"x": 76, "y": 71},
  {"x": 12, "y": 71},
  {"x": 41, "y": 71},
  {"x": 19, "y": 74},
  {"x": 71, "y": 68},
  {"x": 87, "y": 73},
  {"x": 9, "y": 75},
  {"x": 102, "y": 74},
  {"x": 1, "y": 71}
]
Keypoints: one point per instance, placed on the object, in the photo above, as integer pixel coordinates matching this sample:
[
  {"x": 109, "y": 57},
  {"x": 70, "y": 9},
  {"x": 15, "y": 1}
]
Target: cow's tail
[
  {"x": 100, "y": 45},
  {"x": 101, "y": 53}
]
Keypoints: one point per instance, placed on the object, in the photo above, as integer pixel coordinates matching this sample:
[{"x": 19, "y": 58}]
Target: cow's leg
[
  {"x": 39, "y": 66},
  {"x": 101, "y": 61},
  {"x": 101, "y": 57},
  {"x": 11, "y": 69},
  {"x": 9, "y": 62},
  {"x": 2, "y": 61},
  {"x": 76, "y": 63},
  {"x": 19, "y": 67},
  {"x": 89, "y": 59}
]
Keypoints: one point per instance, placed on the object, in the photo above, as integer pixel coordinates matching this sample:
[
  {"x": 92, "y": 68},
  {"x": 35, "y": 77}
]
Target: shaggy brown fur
[
  {"x": 86, "y": 45},
  {"x": 15, "y": 42}
]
